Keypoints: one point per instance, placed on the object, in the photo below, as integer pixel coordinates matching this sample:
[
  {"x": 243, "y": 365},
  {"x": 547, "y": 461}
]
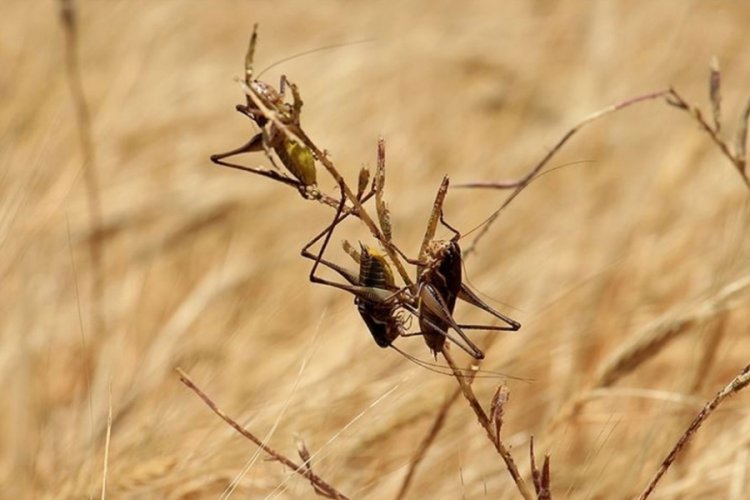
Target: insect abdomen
[
  {"x": 378, "y": 315},
  {"x": 372, "y": 273}
]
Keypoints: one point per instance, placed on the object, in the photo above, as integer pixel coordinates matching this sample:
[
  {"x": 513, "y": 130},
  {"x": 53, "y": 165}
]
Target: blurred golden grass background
[{"x": 202, "y": 270}]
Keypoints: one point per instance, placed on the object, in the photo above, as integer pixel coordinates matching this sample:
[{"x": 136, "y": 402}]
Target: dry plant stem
[
  {"x": 740, "y": 149},
  {"x": 429, "y": 234},
  {"x": 541, "y": 478},
  {"x": 106, "y": 446},
  {"x": 304, "y": 454},
  {"x": 381, "y": 207},
  {"x": 714, "y": 92},
  {"x": 303, "y": 470},
  {"x": 429, "y": 439},
  {"x": 711, "y": 340},
  {"x": 520, "y": 184},
  {"x": 83, "y": 119},
  {"x": 484, "y": 421},
  {"x": 497, "y": 408},
  {"x": 675, "y": 99},
  {"x": 300, "y": 136},
  {"x": 740, "y": 382}
]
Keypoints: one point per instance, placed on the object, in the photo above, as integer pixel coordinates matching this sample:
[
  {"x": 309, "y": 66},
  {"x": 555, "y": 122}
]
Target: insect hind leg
[
  {"x": 251, "y": 146},
  {"x": 467, "y": 295},
  {"x": 352, "y": 278},
  {"x": 370, "y": 294},
  {"x": 318, "y": 259}
]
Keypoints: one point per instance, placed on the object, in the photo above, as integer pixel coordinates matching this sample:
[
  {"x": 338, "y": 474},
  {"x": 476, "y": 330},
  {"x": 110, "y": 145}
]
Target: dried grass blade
[
  {"x": 714, "y": 91},
  {"x": 737, "y": 384},
  {"x": 740, "y": 143}
]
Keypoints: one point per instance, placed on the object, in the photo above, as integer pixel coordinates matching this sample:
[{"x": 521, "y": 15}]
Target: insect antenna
[
  {"x": 446, "y": 370},
  {"x": 521, "y": 186},
  {"x": 518, "y": 188},
  {"x": 475, "y": 289},
  {"x": 312, "y": 51}
]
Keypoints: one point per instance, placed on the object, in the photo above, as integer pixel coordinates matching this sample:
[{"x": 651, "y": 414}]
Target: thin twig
[
  {"x": 740, "y": 382},
  {"x": 740, "y": 142},
  {"x": 321, "y": 485},
  {"x": 714, "y": 92},
  {"x": 541, "y": 477},
  {"x": 497, "y": 408},
  {"x": 484, "y": 421},
  {"x": 520, "y": 184},
  {"x": 650, "y": 341},
  {"x": 427, "y": 441},
  {"x": 676, "y": 100},
  {"x": 304, "y": 454}
]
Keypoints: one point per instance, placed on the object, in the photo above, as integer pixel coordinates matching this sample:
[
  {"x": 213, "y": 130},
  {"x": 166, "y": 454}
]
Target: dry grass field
[{"x": 628, "y": 267}]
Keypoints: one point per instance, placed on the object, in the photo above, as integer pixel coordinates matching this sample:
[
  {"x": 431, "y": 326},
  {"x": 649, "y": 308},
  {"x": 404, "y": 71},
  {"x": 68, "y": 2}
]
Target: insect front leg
[
  {"x": 250, "y": 54},
  {"x": 269, "y": 137}
]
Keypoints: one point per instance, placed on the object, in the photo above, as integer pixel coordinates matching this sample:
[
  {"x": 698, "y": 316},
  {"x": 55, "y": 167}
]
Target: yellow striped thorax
[{"x": 373, "y": 262}]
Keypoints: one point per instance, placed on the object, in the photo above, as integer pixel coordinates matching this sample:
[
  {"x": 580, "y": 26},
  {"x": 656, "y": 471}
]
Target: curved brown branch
[
  {"x": 320, "y": 485},
  {"x": 520, "y": 184},
  {"x": 737, "y": 384},
  {"x": 487, "y": 425}
]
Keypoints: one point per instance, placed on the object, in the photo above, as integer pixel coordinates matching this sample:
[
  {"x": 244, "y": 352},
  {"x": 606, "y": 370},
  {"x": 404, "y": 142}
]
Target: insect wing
[{"x": 447, "y": 279}]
